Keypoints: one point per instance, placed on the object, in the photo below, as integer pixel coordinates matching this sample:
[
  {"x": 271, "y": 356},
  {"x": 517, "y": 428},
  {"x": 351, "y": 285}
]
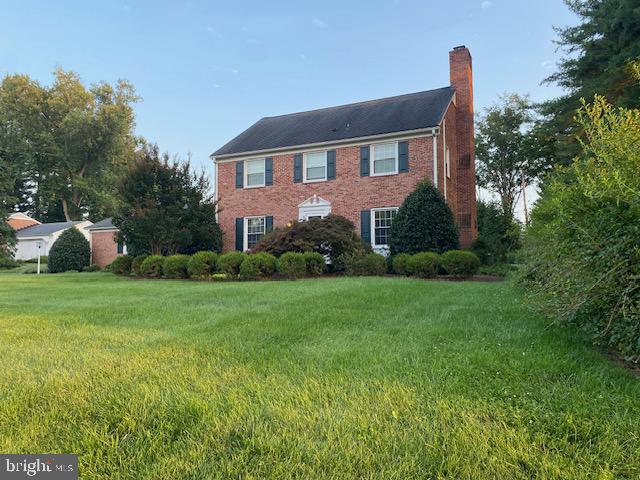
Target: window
[
  {"x": 255, "y": 229},
  {"x": 315, "y": 166},
  {"x": 255, "y": 173},
  {"x": 384, "y": 158},
  {"x": 381, "y": 225}
]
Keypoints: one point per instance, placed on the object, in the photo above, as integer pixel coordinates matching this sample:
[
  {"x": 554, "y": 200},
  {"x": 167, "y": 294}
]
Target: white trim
[
  {"x": 347, "y": 142},
  {"x": 313, "y": 207},
  {"x": 435, "y": 161},
  {"x": 372, "y": 160},
  {"x": 373, "y": 226},
  {"x": 304, "y": 167},
  {"x": 245, "y": 173},
  {"x": 245, "y": 230}
]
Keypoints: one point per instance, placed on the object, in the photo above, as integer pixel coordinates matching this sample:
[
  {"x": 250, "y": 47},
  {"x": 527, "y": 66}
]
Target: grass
[{"x": 331, "y": 378}]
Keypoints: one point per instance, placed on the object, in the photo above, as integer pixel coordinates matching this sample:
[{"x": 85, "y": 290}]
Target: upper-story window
[
  {"x": 315, "y": 166},
  {"x": 255, "y": 173},
  {"x": 381, "y": 225},
  {"x": 384, "y": 158}
]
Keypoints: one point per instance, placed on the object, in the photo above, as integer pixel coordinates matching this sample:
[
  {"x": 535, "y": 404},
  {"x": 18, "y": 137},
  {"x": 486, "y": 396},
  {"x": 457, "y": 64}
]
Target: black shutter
[
  {"x": 268, "y": 171},
  {"x": 403, "y": 157},
  {"x": 365, "y": 226},
  {"x": 364, "y": 161},
  {"x": 297, "y": 168},
  {"x": 239, "y": 174},
  {"x": 268, "y": 224},
  {"x": 331, "y": 164},
  {"x": 240, "y": 234}
]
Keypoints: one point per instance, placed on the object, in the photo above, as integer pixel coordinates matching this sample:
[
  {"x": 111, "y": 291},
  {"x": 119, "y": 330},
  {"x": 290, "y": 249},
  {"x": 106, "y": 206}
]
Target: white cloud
[
  {"x": 486, "y": 4},
  {"x": 320, "y": 23}
]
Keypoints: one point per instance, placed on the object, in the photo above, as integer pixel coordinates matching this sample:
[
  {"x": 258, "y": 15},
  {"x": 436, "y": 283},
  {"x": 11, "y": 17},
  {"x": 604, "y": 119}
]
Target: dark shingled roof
[
  {"x": 376, "y": 117},
  {"x": 101, "y": 225},
  {"x": 44, "y": 229}
]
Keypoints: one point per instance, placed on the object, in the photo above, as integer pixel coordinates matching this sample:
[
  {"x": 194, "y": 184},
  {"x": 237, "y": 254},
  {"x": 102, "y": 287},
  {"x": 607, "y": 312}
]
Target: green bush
[
  {"x": 424, "y": 264},
  {"x": 175, "y": 266},
  {"x": 366, "y": 264},
  {"x": 70, "y": 251},
  {"x": 498, "y": 234},
  {"x": 152, "y": 266},
  {"x": 292, "y": 265},
  {"x": 202, "y": 264},
  {"x": 7, "y": 263},
  {"x": 136, "y": 264},
  {"x": 250, "y": 268},
  {"x": 43, "y": 259},
  {"x": 401, "y": 264},
  {"x": 121, "y": 265},
  {"x": 460, "y": 262},
  {"x": 315, "y": 263},
  {"x": 92, "y": 268},
  {"x": 267, "y": 263},
  {"x": 498, "y": 269},
  {"x": 230, "y": 262},
  {"x": 424, "y": 223}
]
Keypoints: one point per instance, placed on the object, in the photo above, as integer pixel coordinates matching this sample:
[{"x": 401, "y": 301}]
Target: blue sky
[{"x": 207, "y": 70}]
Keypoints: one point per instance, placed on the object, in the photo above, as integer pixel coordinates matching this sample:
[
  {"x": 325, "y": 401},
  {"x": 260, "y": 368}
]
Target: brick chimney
[{"x": 462, "y": 81}]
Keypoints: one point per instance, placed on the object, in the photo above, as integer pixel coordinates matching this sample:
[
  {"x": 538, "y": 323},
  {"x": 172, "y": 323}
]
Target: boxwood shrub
[
  {"x": 250, "y": 268},
  {"x": 202, "y": 264},
  {"x": 292, "y": 265},
  {"x": 460, "y": 262},
  {"x": 152, "y": 266},
  {"x": 424, "y": 264},
  {"x": 267, "y": 263},
  {"x": 315, "y": 263},
  {"x": 366, "y": 264},
  {"x": 70, "y": 251},
  {"x": 136, "y": 263},
  {"x": 121, "y": 265},
  {"x": 175, "y": 266},
  {"x": 230, "y": 262},
  {"x": 401, "y": 264}
]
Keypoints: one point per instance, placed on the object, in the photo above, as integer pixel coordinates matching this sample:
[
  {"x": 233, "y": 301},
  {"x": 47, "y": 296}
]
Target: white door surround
[{"x": 313, "y": 207}]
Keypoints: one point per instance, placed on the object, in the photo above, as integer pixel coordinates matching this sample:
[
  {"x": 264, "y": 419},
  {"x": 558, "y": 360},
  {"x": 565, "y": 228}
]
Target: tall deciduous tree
[
  {"x": 506, "y": 149},
  {"x": 165, "y": 208},
  {"x": 66, "y": 141}
]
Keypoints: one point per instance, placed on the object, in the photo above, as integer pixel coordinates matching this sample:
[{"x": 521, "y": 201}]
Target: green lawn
[{"x": 331, "y": 378}]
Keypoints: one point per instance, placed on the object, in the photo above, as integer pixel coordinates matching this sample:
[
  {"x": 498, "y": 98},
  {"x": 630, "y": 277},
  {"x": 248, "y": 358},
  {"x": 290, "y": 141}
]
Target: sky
[{"x": 207, "y": 70}]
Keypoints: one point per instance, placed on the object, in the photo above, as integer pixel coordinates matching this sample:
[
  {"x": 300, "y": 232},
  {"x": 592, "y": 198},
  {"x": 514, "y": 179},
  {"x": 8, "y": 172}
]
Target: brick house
[
  {"x": 104, "y": 244},
  {"x": 359, "y": 161}
]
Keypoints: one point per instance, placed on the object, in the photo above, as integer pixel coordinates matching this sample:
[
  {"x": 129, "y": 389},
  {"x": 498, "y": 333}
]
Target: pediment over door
[{"x": 314, "y": 207}]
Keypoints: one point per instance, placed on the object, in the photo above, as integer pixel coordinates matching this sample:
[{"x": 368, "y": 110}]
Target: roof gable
[
  {"x": 403, "y": 113},
  {"x": 45, "y": 229}
]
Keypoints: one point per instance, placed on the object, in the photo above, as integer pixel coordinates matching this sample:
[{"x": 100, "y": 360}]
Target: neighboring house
[
  {"x": 104, "y": 243},
  {"x": 44, "y": 234},
  {"x": 18, "y": 221},
  {"x": 359, "y": 161}
]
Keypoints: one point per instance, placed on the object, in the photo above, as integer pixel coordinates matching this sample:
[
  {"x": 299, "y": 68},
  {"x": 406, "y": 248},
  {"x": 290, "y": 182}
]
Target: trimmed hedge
[
  {"x": 230, "y": 262},
  {"x": 315, "y": 263},
  {"x": 137, "y": 263},
  {"x": 202, "y": 264},
  {"x": 366, "y": 264},
  {"x": 267, "y": 263},
  {"x": 250, "y": 268},
  {"x": 121, "y": 265},
  {"x": 460, "y": 262},
  {"x": 401, "y": 264},
  {"x": 70, "y": 251},
  {"x": 424, "y": 264},
  {"x": 175, "y": 266},
  {"x": 152, "y": 266},
  {"x": 292, "y": 265}
]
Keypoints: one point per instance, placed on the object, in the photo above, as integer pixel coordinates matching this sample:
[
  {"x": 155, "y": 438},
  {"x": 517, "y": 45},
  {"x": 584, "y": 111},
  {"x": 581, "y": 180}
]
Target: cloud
[
  {"x": 320, "y": 23},
  {"x": 486, "y": 4}
]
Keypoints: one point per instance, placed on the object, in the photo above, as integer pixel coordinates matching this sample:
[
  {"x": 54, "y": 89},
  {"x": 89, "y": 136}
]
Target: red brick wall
[
  {"x": 104, "y": 248},
  {"x": 349, "y": 193}
]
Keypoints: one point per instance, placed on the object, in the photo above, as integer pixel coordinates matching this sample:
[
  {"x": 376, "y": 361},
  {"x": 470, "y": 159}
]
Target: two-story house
[{"x": 359, "y": 160}]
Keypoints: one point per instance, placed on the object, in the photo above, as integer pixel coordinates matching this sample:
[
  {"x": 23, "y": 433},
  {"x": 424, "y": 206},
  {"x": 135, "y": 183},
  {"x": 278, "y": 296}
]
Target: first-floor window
[
  {"x": 382, "y": 219},
  {"x": 255, "y": 229}
]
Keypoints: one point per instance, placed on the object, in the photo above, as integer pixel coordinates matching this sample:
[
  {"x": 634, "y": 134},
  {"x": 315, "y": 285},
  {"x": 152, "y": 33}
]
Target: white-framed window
[
  {"x": 381, "y": 225},
  {"x": 447, "y": 163},
  {"x": 254, "y": 230},
  {"x": 315, "y": 166},
  {"x": 384, "y": 158},
  {"x": 254, "y": 175}
]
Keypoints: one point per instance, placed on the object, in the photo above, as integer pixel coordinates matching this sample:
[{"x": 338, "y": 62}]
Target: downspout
[
  {"x": 435, "y": 160},
  {"x": 444, "y": 157}
]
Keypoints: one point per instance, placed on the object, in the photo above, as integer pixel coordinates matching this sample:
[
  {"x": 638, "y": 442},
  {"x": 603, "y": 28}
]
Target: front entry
[{"x": 313, "y": 207}]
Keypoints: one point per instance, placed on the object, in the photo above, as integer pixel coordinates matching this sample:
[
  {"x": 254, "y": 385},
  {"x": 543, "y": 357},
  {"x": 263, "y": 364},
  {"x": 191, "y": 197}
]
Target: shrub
[
  {"x": 292, "y": 265},
  {"x": 460, "y": 262},
  {"x": 267, "y": 263},
  {"x": 7, "y": 262},
  {"x": 121, "y": 265},
  {"x": 400, "y": 264},
  {"x": 70, "y": 251},
  {"x": 315, "y": 263},
  {"x": 202, "y": 264},
  {"x": 152, "y": 266},
  {"x": 92, "y": 268},
  {"x": 230, "y": 262},
  {"x": 136, "y": 264},
  {"x": 424, "y": 264},
  {"x": 332, "y": 236},
  {"x": 250, "y": 268},
  {"x": 366, "y": 264},
  {"x": 424, "y": 223},
  {"x": 43, "y": 259},
  {"x": 175, "y": 266},
  {"x": 498, "y": 234}
]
